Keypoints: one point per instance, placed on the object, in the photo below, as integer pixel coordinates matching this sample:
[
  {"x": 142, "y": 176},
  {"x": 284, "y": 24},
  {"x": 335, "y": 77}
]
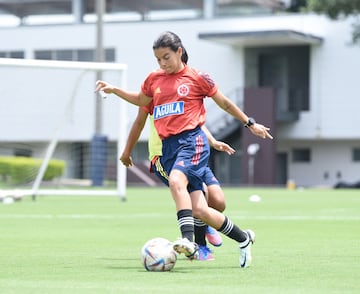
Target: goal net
[{"x": 56, "y": 133}]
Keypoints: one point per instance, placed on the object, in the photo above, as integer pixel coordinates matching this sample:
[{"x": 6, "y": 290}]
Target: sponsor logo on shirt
[{"x": 168, "y": 109}]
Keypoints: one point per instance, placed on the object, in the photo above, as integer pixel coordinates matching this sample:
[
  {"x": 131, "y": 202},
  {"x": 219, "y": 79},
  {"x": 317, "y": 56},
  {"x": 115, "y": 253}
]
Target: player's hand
[
  {"x": 126, "y": 160},
  {"x": 261, "y": 131},
  {"x": 104, "y": 86},
  {"x": 221, "y": 146}
]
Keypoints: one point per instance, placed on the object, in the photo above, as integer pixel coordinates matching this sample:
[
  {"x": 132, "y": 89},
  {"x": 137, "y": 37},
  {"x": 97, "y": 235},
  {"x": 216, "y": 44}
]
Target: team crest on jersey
[
  {"x": 183, "y": 90},
  {"x": 174, "y": 108}
]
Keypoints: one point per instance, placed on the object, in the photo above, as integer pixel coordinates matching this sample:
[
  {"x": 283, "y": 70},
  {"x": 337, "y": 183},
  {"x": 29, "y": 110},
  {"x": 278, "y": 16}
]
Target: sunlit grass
[{"x": 307, "y": 242}]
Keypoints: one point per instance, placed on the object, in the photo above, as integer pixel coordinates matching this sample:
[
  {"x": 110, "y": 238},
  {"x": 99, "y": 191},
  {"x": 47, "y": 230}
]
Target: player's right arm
[
  {"x": 137, "y": 98},
  {"x": 133, "y": 137}
]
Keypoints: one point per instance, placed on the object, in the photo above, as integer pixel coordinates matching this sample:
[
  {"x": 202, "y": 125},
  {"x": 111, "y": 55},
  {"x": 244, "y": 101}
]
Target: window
[
  {"x": 43, "y": 54},
  {"x": 356, "y": 154},
  {"x": 301, "y": 155},
  {"x": 86, "y": 55},
  {"x": 74, "y": 55},
  {"x": 66, "y": 55},
  {"x": 12, "y": 54},
  {"x": 109, "y": 55},
  {"x": 23, "y": 152},
  {"x": 16, "y": 54}
]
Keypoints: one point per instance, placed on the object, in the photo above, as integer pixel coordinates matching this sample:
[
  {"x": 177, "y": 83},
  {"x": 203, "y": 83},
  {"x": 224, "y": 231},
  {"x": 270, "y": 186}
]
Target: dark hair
[{"x": 172, "y": 41}]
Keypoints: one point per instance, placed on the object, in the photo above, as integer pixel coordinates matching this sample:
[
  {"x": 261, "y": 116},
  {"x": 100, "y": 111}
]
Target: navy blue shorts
[
  {"x": 156, "y": 167},
  {"x": 188, "y": 152}
]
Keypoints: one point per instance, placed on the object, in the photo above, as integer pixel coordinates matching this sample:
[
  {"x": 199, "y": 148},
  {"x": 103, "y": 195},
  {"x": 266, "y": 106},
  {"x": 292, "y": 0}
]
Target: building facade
[{"x": 297, "y": 73}]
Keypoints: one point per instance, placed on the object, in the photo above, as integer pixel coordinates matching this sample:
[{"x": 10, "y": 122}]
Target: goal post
[{"x": 36, "y": 93}]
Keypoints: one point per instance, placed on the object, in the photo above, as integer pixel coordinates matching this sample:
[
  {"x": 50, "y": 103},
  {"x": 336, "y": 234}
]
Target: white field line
[
  {"x": 55, "y": 192},
  {"x": 158, "y": 215}
]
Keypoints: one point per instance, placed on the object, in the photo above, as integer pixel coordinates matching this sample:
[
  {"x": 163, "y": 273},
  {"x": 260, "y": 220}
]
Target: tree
[
  {"x": 296, "y": 5},
  {"x": 336, "y": 9}
]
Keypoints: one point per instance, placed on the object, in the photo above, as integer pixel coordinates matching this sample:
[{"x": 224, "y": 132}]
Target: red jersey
[{"x": 178, "y": 99}]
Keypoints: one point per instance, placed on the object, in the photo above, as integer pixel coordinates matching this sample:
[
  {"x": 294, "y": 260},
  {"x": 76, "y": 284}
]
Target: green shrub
[
  {"x": 25, "y": 169},
  {"x": 55, "y": 169},
  {"x": 5, "y": 165}
]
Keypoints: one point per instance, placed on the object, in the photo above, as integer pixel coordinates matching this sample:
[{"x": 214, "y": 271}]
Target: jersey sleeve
[
  {"x": 148, "y": 108},
  {"x": 207, "y": 84},
  {"x": 146, "y": 86}
]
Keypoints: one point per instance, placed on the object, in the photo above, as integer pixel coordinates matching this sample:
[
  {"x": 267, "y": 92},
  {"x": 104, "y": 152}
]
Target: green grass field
[{"x": 307, "y": 242}]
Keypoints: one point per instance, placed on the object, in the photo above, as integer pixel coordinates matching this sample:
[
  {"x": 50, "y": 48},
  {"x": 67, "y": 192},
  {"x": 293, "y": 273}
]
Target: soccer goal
[{"x": 51, "y": 119}]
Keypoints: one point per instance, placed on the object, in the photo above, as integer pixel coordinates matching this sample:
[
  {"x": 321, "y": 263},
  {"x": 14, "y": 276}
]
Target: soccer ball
[{"x": 158, "y": 255}]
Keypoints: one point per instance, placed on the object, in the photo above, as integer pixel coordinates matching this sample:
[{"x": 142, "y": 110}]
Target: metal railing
[{"x": 220, "y": 123}]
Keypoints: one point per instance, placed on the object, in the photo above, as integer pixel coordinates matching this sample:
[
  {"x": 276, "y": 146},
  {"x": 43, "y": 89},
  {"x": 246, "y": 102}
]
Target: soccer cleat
[
  {"x": 213, "y": 236},
  {"x": 245, "y": 252},
  {"x": 190, "y": 249},
  {"x": 205, "y": 253}
]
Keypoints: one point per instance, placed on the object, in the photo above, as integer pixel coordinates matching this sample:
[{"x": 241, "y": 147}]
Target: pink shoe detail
[
  {"x": 213, "y": 237},
  {"x": 205, "y": 254}
]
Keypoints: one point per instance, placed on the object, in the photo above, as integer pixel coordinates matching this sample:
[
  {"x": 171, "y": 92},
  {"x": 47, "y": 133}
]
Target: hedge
[{"x": 25, "y": 169}]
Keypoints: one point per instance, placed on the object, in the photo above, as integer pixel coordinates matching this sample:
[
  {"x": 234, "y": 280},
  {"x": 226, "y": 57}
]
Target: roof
[
  {"x": 24, "y": 8},
  {"x": 262, "y": 38}
]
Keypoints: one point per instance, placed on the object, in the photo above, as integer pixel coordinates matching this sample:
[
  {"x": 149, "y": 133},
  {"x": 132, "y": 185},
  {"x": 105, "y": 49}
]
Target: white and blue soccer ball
[{"x": 158, "y": 255}]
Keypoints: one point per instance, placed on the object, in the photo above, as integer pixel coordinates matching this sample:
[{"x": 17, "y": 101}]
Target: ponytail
[{"x": 184, "y": 56}]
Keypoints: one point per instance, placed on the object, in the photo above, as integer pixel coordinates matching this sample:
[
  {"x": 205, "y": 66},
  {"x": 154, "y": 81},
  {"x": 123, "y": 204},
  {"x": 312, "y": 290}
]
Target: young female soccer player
[
  {"x": 178, "y": 91},
  {"x": 214, "y": 194}
]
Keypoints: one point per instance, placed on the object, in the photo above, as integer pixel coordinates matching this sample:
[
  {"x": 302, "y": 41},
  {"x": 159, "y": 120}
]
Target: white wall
[
  {"x": 334, "y": 68},
  {"x": 327, "y": 157},
  {"x": 31, "y": 106},
  {"x": 334, "y": 92},
  {"x": 36, "y": 98}
]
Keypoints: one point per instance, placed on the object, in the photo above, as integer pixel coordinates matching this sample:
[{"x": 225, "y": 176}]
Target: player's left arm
[
  {"x": 218, "y": 145},
  {"x": 230, "y": 107}
]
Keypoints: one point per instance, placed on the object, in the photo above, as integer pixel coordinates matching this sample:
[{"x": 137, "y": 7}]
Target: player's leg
[
  {"x": 224, "y": 225},
  {"x": 202, "y": 230},
  {"x": 199, "y": 226},
  {"x": 216, "y": 200},
  {"x": 177, "y": 160},
  {"x": 191, "y": 162},
  {"x": 179, "y": 180},
  {"x": 178, "y": 187},
  {"x": 185, "y": 156},
  {"x": 205, "y": 254},
  {"x": 216, "y": 197}
]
